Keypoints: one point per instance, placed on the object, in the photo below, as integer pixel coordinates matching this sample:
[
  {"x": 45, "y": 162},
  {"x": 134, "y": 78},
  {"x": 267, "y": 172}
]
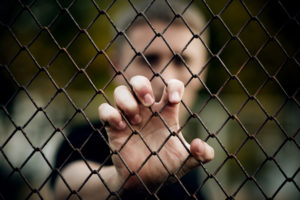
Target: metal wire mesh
[{"x": 248, "y": 109}]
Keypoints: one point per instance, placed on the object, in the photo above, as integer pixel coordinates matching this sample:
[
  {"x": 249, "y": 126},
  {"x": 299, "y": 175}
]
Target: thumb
[{"x": 200, "y": 152}]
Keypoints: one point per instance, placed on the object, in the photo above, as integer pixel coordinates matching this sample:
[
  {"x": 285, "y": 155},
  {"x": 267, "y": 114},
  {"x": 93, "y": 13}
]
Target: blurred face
[{"x": 161, "y": 58}]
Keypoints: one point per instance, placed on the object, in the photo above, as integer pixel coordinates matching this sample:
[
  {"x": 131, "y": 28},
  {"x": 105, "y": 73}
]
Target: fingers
[
  {"x": 201, "y": 150},
  {"x": 143, "y": 90},
  {"x": 109, "y": 114},
  {"x": 130, "y": 104},
  {"x": 127, "y": 103},
  {"x": 173, "y": 92},
  {"x": 170, "y": 101}
]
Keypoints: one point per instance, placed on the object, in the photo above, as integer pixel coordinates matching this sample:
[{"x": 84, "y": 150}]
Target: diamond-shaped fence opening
[
  {"x": 43, "y": 39},
  {"x": 239, "y": 64},
  {"x": 61, "y": 21}
]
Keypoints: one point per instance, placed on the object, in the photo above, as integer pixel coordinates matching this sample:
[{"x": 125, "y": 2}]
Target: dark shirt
[{"x": 91, "y": 144}]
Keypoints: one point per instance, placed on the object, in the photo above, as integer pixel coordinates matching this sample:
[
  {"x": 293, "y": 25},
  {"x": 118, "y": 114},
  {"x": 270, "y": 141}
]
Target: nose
[
  {"x": 168, "y": 75},
  {"x": 171, "y": 73}
]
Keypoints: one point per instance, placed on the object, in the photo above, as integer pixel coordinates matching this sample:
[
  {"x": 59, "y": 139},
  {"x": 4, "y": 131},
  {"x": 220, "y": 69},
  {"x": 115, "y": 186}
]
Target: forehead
[{"x": 176, "y": 36}]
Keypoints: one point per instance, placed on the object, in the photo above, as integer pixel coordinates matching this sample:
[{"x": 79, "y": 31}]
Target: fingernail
[
  {"x": 148, "y": 99},
  {"x": 211, "y": 152},
  {"x": 136, "y": 119},
  {"x": 201, "y": 148},
  {"x": 175, "y": 98},
  {"x": 121, "y": 125}
]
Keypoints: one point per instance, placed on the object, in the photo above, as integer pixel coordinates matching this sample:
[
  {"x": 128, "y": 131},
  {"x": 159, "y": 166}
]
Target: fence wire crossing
[{"x": 57, "y": 66}]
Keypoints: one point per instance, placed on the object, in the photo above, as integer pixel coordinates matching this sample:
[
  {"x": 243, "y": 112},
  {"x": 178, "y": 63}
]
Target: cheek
[
  {"x": 185, "y": 75},
  {"x": 190, "y": 94}
]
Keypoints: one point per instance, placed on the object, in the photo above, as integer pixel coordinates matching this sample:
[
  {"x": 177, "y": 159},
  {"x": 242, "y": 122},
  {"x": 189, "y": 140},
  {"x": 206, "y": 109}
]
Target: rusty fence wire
[{"x": 56, "y": 68}]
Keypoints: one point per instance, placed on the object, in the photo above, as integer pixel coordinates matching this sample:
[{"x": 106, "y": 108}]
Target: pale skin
[{"x": 177, "y": 155}]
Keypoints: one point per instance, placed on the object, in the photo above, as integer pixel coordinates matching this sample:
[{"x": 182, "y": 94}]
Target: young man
[{"x": 143, "y": 128}]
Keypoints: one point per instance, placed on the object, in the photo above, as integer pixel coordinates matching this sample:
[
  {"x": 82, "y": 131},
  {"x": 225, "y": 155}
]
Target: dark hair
[
  {"x": 162, "y": 10},
  {"x": 168, "y": 11}
]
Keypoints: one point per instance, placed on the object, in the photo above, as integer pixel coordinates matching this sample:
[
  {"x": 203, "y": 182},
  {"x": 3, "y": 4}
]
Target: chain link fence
[{"x": 56, "y": 68}]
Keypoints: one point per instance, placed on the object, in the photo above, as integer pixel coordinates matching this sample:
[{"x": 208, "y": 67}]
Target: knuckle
[
  {"x": 103, "y": 107},
  {"x": 138, "y": 82},
  {"x": 137, "y": 79},
  {"x": 130, "y": 108},
  {"x": 119, "y": 89}
]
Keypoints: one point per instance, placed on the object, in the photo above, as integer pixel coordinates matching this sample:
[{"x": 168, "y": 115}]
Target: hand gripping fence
[{"x": 56, "y": 68}]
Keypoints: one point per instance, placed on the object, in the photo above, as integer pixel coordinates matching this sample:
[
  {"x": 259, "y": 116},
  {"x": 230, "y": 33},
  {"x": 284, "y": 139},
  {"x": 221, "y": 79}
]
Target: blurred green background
[{"x": 53, "y": 48}]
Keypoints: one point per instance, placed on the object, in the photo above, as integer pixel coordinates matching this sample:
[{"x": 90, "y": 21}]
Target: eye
[
  {"x": 178, "y": 61},
  {"x": 153, "y": 59},
  {"x": 141, "y": 61}
]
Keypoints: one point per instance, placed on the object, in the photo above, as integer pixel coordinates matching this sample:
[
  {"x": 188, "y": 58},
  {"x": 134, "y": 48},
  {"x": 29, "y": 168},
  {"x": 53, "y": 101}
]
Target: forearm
[{"x": 76, "y": 174}]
